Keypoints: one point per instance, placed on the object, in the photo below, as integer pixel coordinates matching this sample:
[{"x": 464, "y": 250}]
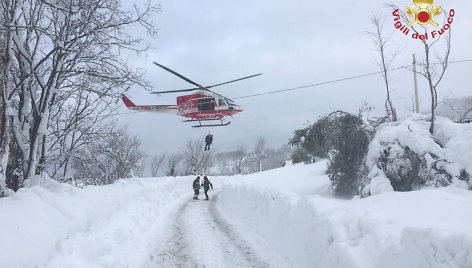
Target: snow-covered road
[
  {"x": 199, "y": 236},
  {"x": 281, "y": 218}
]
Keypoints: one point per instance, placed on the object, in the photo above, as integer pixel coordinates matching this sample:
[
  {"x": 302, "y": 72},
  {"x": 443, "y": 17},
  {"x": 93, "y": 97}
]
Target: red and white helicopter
[{"x": 203, "y": 105}]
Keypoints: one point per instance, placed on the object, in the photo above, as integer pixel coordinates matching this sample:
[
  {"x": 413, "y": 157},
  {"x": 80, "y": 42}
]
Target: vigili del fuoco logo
[{"x": 426, "y": 14}]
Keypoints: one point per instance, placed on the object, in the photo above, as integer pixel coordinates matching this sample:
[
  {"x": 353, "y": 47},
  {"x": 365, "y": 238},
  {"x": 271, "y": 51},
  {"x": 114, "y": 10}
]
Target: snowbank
[
  {"x": 287, "y": 215},
  {"x": 410, "y": 157},
  {"x": 422, "y": 229},
  {"x": 105, "y": 226},
  {"x": 299, "y": 179}
]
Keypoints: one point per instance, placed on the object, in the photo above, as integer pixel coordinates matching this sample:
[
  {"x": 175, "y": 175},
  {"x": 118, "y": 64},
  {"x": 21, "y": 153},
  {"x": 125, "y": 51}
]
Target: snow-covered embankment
[
  {"x": 429, "y": 228},
  {"x": 105, "y": 226}
]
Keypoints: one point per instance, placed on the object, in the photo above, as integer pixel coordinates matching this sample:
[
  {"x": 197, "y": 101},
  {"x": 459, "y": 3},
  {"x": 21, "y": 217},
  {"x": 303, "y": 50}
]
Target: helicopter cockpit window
[
  {"x": 228, "y": 101},
  {"x": 221, "y": 102},
  {"x": 206, "y": 104}
]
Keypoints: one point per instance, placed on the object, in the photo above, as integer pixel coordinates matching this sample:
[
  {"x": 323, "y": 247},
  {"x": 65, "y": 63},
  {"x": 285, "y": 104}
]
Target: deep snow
[
  {"x": 449, "y": 149},
  {"x": 283, "y": 218}
]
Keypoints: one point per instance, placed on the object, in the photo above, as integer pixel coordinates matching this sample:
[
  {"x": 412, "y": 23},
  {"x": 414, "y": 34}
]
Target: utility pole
[{"x": 417, "y": 99}]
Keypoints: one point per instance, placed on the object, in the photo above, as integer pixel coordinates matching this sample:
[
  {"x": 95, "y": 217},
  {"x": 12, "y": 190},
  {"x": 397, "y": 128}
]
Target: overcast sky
[{"x": 293, "y": 43}]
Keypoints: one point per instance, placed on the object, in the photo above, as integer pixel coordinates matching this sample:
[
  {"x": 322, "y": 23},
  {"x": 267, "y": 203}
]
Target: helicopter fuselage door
[{"x": 206, "y": 104}]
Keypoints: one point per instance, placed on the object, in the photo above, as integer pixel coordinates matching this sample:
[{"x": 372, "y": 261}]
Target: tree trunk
[
  {"x": 5, "y": 153},
  {"x": 31, "y": 163},
  {"x": 4, "y": 83},
  {"x": 42, "y": 159},
  {"x": 14, "y": 172},
  {"x": 432, "y": 89}
]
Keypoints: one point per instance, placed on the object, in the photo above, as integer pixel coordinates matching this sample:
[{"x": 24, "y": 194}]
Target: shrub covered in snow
[
  {"x": 341, "y": 137},
  {"x": 349, "y": 141},
  {"x": 405, "y": 155},
  {"x": 312, "y": 141},
  {"x": 301, "y": 155}
]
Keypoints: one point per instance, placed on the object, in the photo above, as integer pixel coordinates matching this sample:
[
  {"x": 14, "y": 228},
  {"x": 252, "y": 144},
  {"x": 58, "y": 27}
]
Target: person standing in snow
[
  {"x": 208, "y": 141},
  {"x": 206, "y": 186},
  {"x": 196, "y": 188}
]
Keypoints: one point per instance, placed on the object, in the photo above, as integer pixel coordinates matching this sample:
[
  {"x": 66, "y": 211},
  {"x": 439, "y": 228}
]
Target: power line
[
  {"x": 338, "y": 80},
  {"x": 321, "y": 83}
]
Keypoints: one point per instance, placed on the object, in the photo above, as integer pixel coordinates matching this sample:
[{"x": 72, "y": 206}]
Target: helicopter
[{"x": 202, "y": 105}]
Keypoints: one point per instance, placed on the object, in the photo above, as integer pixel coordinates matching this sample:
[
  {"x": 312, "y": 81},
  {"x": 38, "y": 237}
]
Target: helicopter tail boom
[
  {"x": 149, "y": 108},
  {"x": 127, "y": 101}
]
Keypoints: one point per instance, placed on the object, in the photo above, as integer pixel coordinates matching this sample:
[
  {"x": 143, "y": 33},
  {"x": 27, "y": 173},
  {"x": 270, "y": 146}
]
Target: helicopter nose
[{"x": 235, "y": 108}]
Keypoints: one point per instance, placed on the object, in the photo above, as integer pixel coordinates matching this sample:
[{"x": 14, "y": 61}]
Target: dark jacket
[
  {"x": 196, "y": 184},
  {"x": 209, "y": 139},
  {"x": 207, "y": 184}
]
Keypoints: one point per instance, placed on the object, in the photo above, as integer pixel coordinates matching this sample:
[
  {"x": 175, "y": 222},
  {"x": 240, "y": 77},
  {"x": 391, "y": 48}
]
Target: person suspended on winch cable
[
  {"x": 206, "y": 186},
  {"x": 208, "y": 141},
  {"x": 196, "y": 187}
]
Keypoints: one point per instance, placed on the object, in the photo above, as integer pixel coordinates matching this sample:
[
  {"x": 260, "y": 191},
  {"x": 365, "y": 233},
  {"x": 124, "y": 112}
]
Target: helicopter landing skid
[
  {"x": 214, "y": 125},
  {"x": 209, "y": 119}
]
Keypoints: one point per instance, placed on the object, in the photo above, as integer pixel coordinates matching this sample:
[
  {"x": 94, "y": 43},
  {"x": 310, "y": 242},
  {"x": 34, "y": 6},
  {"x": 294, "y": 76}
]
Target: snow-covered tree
[
  {"x": 341, "y": 137},
  {"x": 432, "y": 71},
  {"x": 276, "y": 158},
  {"x": 113, "y": 156},
  {"x": 53, "y": 51},
  {"x": 232, "y": 162},
  {"x": 195, "y": 159},
  {"x": 457, "y": 109},
  {"x": 81, "y": 120},
  {"x": 257, "y": 160},
  {"x": 349, "y": 142},
  {"x": 240, "y": 161},
  {"x": 301, "y": 155},
  {"x": 383, "y": 47},
  {"x": 404, "y": 156},
  {"x": 172, "y": 165},
  {"x": 313, "y": 141},
  {"x": 156, "y": 163}
]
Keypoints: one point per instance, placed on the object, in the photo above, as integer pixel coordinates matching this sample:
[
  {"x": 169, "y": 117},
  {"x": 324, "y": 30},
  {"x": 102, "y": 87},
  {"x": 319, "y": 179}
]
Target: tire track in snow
[
  {"x": 200, "y": 237},
  {"x": 176, "y": 253},
  {"x": 252, "y": 260}
]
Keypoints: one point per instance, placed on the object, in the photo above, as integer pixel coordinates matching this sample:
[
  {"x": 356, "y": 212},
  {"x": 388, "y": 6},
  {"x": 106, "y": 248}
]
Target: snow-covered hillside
[{"x": 280, "y": 218}]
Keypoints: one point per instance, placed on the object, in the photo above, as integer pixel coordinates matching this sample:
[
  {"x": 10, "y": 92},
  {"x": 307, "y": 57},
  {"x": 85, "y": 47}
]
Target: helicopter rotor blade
[
  {"x": 184, "y": 90},
  {"x": 179, "y": 75},
  {"x": 236, "y": 80},
  {"x": 198, "y": 86},
  {"x": 174, "y": 91},
  {"x": 232, "y": 81}
]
